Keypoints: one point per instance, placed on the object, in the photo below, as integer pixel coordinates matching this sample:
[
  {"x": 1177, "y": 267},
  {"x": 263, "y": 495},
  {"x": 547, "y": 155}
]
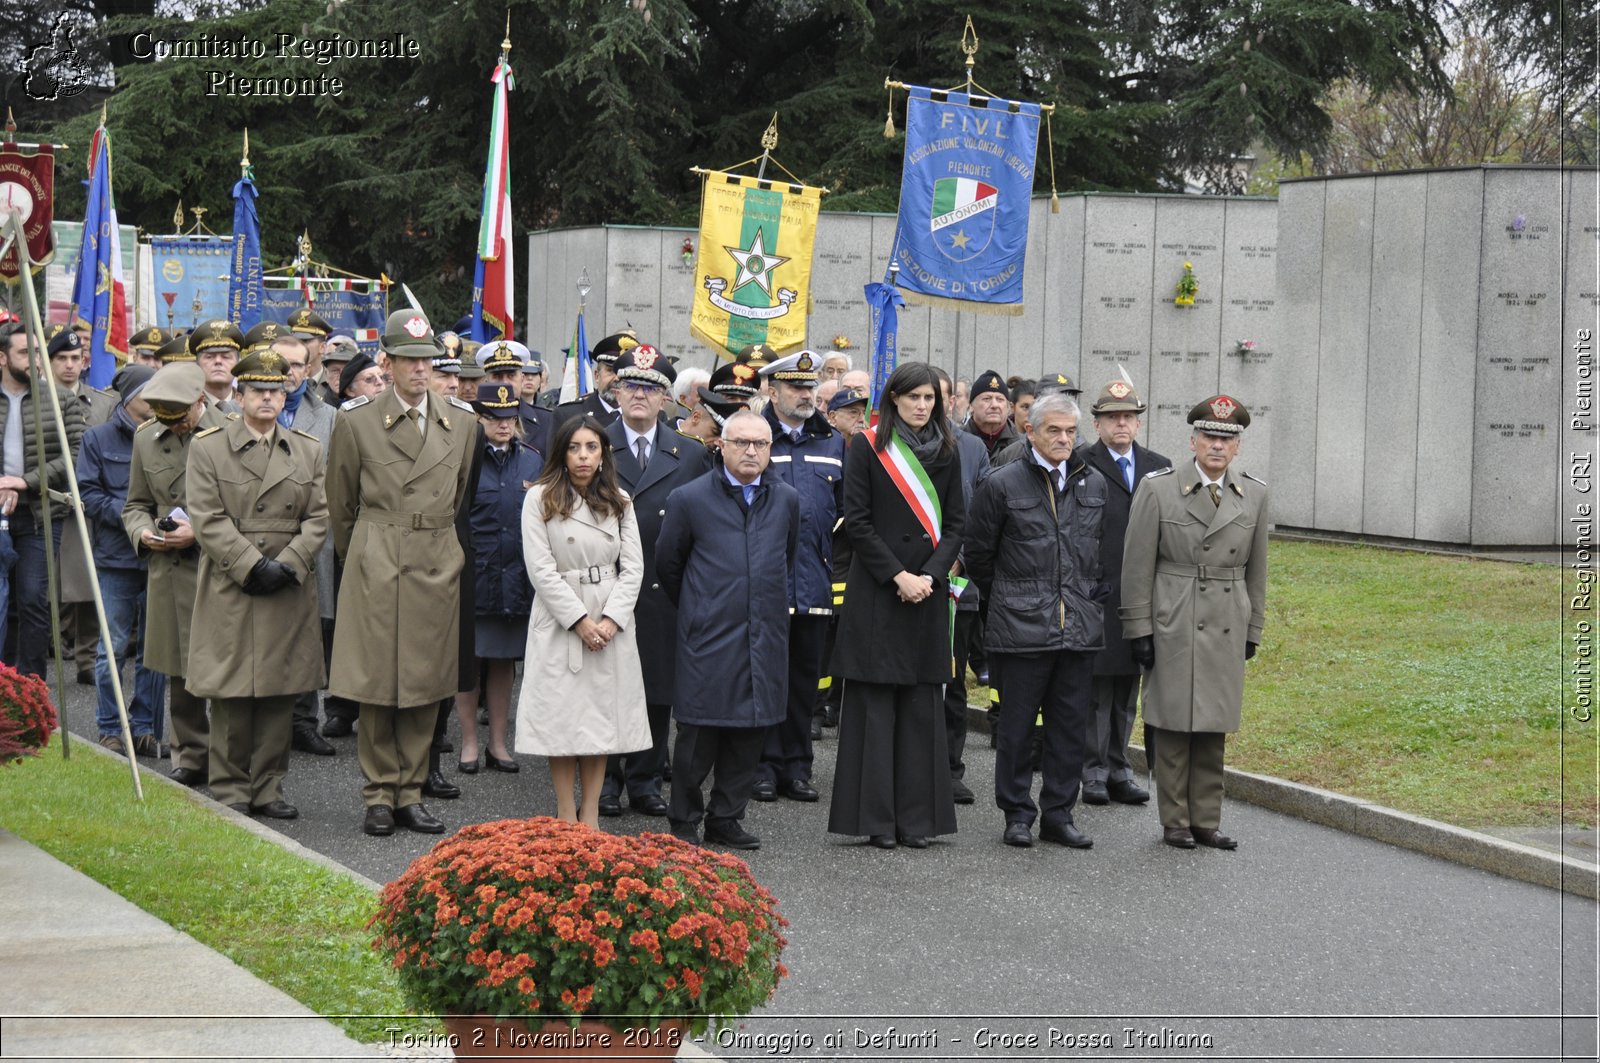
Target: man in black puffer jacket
[{"x": 1033, "y": 546}]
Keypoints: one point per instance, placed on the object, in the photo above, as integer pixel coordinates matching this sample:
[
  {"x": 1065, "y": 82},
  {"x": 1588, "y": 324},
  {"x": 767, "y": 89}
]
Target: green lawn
[
  {"x": 292, "y": 923},
  {"x": 1430, "y": 684}
]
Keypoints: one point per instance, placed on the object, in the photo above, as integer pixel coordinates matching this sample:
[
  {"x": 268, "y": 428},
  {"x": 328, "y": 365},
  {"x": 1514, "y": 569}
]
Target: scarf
[
  {"x": 926, "y": 443},
  {"x": 291, "y": 404}
]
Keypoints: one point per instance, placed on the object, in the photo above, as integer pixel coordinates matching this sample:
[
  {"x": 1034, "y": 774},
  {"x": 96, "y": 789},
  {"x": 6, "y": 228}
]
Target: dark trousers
[
  {"x": 640, "y": 773},
  {"x": 955, "y": 694},
  {"x": 892, "y": 774},
  {"x": 733, "y": 753},
  {"x": 1115, "y": 703},
  {"x": 1059, "y": 685},
  {"x": 787, "y": 756},
  {"x": 30, "y": 590}
]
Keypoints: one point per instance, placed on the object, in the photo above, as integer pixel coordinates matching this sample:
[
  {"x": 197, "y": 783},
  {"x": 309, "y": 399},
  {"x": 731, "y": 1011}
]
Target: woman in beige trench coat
[{"x": 582, "y": 687}]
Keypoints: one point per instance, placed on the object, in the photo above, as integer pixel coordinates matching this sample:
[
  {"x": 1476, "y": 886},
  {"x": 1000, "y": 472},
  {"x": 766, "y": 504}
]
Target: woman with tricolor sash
[{"x": 903, "y": 511}]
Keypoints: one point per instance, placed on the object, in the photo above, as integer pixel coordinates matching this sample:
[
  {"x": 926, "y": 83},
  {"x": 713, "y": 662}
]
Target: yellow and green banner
[{"x": 752, "y": 280}]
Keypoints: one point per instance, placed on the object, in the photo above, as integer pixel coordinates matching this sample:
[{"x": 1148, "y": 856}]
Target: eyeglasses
[
  {"x": 640, "y": 389},
  {"x": 747, "y": 444}
]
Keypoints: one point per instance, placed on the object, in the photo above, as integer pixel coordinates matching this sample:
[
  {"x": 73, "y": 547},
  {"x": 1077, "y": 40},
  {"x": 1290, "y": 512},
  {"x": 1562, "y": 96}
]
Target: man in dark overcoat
[
  {"x": 1194, "y": 600},
  {"x": 651, "y": 461},
  {"x": 718, "y": 560},
  {"x": 1123, "y": 462}
]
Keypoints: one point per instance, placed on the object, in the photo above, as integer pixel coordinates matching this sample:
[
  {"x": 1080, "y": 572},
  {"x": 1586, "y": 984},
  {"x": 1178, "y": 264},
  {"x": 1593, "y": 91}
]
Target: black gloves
[
  {"x": 1249, "y": 650},
  {"x": 269, "y": 577},
  {"x": 1143, "y": 650}
]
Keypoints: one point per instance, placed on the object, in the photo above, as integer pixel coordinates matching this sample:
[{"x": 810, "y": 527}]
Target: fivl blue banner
[
  {"x": 965, "y": 187},
  {"x": 359, "y": 314},
  {"x": 883, "y": 307},
  {"x": 245, "y": 282},
  {"x": 191, "y": 278}
]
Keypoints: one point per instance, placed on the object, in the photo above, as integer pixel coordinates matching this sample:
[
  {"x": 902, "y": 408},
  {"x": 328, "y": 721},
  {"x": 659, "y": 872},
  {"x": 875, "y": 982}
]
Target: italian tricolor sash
[{"x": 911, "y": 479}]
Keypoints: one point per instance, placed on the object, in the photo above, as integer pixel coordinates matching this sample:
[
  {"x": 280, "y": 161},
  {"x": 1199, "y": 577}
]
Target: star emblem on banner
[
  {"x": 960, "y": 240},
  {"x": 755, "y": 264}
]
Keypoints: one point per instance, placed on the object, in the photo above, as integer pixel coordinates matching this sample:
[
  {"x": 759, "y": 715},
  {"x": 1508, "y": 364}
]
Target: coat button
[
  {"x": 662, "y": 513},
  {"x": 1226, "y": 630},
  {"x": 1227, "y": 590},
  {"x": 261, "y": 542},
  {"x": 1206, "y": 547},
  {"x": 405, "y": 570},
  {"x": 905, "y": 538},
  {"x": 260, "y": 506},
  {"x": 655, "y": 586},
  {"x": 411, "y": 490},
  {"x": 570, "y": 539},
  {"x": 1202, "y": 626}
]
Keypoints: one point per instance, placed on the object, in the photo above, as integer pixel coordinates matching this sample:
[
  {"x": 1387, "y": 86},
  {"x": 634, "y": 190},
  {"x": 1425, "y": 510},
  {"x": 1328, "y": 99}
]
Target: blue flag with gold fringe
[{"x": 965, "y": 188}]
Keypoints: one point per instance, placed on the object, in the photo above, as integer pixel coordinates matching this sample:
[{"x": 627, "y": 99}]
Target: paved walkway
[{"x": 1308, "y": 942}]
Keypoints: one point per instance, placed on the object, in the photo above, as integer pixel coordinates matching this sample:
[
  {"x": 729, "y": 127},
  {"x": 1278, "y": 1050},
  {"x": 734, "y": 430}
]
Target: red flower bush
[
  {"x": 536, "y": 919},
  {"x": 27, "y": 717}
]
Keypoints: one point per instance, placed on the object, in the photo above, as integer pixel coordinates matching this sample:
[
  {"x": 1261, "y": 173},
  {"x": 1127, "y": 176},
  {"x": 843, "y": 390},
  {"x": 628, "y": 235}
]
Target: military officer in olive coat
[
  {"x": 398, "y": 469},
  {"x": 1194, "y": 599},
  {"x": 158, "y": 525},
  {"x": 260, "y": 516}
]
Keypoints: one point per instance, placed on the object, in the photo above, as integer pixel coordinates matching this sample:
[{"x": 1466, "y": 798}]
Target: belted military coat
[
  {"x": 250, "y": 500},
  {"x": 393, "y": 494},
  {"x": 1194, "y": 575}
]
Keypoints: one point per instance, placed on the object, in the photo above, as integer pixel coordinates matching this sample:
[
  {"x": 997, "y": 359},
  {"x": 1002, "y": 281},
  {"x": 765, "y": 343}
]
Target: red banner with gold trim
[{"x": 27, "y": 186}]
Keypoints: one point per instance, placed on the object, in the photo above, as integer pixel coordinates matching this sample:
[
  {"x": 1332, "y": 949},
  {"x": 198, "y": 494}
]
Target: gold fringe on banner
[
  {"x": 993, "y": 309},
  {"x": 888, "y": 125}
]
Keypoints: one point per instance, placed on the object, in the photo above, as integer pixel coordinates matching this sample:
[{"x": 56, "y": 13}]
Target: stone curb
[{"x": 1380, "y": 823}]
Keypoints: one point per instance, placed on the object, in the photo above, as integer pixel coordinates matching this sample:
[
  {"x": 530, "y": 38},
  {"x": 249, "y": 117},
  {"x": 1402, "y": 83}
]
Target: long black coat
[
  {"x": 675, "y": 461},
  {"x": 722, "y": 565},
  {"x": 1116, "y": 659},
  {"x": 882, "y": 639}
]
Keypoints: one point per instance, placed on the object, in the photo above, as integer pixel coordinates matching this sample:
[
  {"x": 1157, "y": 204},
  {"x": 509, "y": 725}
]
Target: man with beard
[
  {"x": 808, "y": 455},
  {"x": 651, "y": 461},
  {"x": 602, "y": 403},
  {"x": 22, "y": 481}
]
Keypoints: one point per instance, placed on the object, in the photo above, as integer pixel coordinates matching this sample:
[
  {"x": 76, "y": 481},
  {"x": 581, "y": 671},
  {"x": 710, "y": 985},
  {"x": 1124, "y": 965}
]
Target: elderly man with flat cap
[
  {"x": 260, "y": 516},
  {"x": 159, "y": 528},
  {"x": 1194, "y": 599},
  {"x": 601, "y": 404},
  {"x": 398, "y": 470}
]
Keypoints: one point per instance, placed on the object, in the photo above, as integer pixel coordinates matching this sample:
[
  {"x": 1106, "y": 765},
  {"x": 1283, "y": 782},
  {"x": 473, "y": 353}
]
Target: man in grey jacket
[{"x": 1033, "y": 545}]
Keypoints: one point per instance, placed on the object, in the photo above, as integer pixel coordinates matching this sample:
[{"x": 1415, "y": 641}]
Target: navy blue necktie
[
  {"x": 749, "y": 493},
  {"x": 1127, "y": 471}
]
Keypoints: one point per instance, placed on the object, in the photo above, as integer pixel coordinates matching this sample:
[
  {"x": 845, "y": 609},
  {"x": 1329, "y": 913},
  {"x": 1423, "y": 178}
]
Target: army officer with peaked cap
[
  {"x": 398, "y": 470},
  {"x": 1194, "y": 599},
  {"x": 260, "y": 516}
]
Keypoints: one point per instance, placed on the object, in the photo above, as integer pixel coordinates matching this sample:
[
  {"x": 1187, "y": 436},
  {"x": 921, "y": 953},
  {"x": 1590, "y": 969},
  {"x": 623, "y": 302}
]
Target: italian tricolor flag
[
  {"x": 958, "y": 198},
  {"x": 492, "y": 306}
]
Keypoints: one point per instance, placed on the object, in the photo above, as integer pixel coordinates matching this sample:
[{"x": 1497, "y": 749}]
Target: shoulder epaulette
[
  {"x": 151, "y": 423},
  {"x": 207, "y": 431},
  {"x": 308, "y": 435},
  {"x": 1257, "y": 479},
  {"x": 1158, "y": 472},
  {"x": 233, "y": 416},
  {"x": 459, "y": 403},
  {"x": 355, "y": 403}
]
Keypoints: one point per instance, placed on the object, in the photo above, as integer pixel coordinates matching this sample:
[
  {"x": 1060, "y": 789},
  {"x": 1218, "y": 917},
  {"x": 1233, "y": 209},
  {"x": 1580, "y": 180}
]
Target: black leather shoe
[
  {"x": 798, "y": 790},
  {"x": 728, "y": 833},
  {"x": 610, "y": 805},
  {"x": 188, "y": 776},
  {"x": 648, "y": 805},
  {"x": 438, "y": 786},
  {"x": 86, "y": 677},
  {"x": 762, "y": 791},
  {"x": 912, "y": 841},
  {"x": 961, "y": 792},
  {"x": 415, "y": 817},
  {"x": 1064, "y": 834},
  {"x": 1178, "y": 837},
  {"x": 686, "y": 834},
  {"x": 379, "y": 821},
  {"x": 241, "y": 807},
  {"x": 1095, "y": 793},
  {"x": 882, "y": 841},
  {"x": 276, "y": 810},
  {"x": 510, "y": 767},
  {"x": 336, "y": 727},
  {"x": 306, "y": 740},
  {"x": 467, "y": 767},
  {"x": 1212, "y": 838},
  {"x": 830, "y": 715},
  {"x": 1019, "y": 835},
  {"x": 1127, "y": 792}
]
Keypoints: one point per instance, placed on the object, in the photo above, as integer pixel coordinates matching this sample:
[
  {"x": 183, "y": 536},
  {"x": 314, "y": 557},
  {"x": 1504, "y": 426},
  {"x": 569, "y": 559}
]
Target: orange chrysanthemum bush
[
  {"x": 536, "y": 919},
  {"x": 27, "y": 716}
]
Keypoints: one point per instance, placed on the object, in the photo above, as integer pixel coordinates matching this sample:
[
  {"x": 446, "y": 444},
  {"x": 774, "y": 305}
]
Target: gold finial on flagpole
[
  {"x": 11, "y": 123},
  {"x": 505, "y": 45},
  {"x": 177, "y": 217},
  {"x": 769, "y": 138},
  {"x": 244, "y": 160},
  {"x": 102, "y": 114},
  {"x": 969, "y": 45}
]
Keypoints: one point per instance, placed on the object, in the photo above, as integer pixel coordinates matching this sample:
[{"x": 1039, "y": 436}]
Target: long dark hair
[
  {"x": 910, "y": 376},
  {"x": 560, "y": 493}
]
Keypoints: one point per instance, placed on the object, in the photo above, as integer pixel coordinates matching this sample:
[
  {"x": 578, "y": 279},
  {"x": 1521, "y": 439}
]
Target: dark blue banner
[
  {"x": 191, "y": 279},
  {"x": 883, "y": 308},
  {"x": 244, "y": 285},
  {"x": 359, "y": 314},
  {"x": 965, "y": 188}
]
